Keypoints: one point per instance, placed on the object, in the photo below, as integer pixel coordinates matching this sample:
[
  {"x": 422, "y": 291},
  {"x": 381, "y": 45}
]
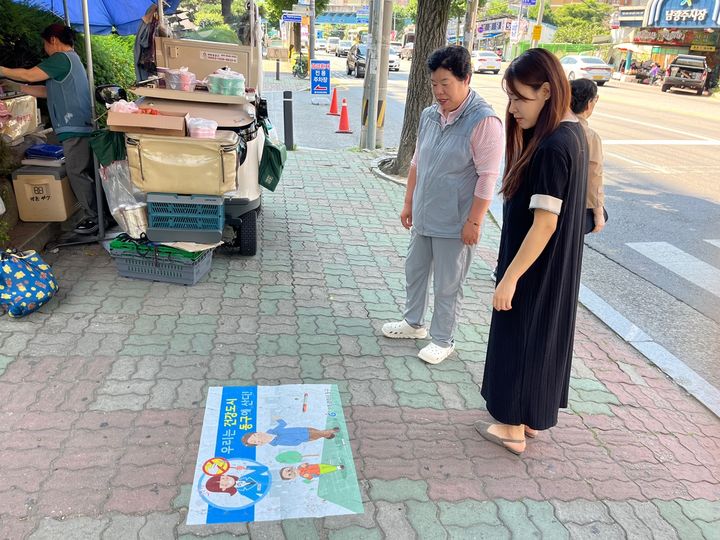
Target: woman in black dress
[{"x": 527, "y": 370}]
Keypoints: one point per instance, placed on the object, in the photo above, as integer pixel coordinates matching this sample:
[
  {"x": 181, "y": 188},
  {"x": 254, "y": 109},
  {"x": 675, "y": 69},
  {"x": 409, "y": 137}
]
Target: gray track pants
[
  {"x": 79, "y": 166},
  {"x": 448, "y": 260}
]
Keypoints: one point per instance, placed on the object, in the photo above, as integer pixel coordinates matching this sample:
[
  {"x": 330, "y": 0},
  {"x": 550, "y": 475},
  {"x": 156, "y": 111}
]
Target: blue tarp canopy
[{"x": 122, "y": 15}]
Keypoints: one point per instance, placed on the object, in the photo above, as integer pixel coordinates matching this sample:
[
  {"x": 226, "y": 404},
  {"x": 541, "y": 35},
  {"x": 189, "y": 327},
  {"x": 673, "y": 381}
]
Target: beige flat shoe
[{"x": 483, "y": 427}]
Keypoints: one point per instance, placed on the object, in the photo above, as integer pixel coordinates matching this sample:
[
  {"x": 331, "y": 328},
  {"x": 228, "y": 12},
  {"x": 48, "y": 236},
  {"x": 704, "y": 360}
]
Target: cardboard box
[
  {"x": 43, "y": 194},
  {"x": 168, "y": 123}
]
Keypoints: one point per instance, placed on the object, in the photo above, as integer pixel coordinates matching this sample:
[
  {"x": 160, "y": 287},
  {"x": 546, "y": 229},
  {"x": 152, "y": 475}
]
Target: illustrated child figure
[
  {"x": 307, "y": 471},
  {"x": 281, "y": 435},
  {"x": 252, "y": 484}
]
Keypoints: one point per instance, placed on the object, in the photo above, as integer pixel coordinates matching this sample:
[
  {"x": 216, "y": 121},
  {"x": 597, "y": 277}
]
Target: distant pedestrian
[
  {"x": 584, "y": 98},
  {"x": 654, "y": 70},
  {"x": 527, "y": 368},
  {"x": 450, "y": 186}
]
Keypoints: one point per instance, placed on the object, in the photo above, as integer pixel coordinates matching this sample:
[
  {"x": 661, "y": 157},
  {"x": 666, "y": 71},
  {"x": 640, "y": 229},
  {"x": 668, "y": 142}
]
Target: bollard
[
  {"x": 288, "y": 119},
  {"x": 277, "y": 69}
]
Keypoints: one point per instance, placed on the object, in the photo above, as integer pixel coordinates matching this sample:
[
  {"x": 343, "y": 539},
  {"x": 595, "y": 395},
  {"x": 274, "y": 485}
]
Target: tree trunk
[
  {"x": 226, "y": 6},
  {"x": 432, "y": 20},
  {"x": 470, "y": 24}
]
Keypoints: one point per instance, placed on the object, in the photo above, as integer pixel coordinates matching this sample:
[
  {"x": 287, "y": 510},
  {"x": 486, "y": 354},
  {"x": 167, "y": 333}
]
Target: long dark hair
[
  {"x": 533, "y": 68},
  {"x": 64, "y": 33}
]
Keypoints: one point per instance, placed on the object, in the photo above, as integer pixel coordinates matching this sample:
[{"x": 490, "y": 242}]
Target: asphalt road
[{"x": 658, "y": 260}]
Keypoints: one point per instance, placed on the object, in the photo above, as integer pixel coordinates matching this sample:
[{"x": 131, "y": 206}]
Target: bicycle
[{"x": 300, "y": 67}]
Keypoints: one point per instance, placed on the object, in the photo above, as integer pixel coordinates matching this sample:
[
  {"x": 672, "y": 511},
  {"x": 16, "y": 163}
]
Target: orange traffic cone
[
  {"x": 333, "y": 104},
  {"x": 344, "y": 126}
]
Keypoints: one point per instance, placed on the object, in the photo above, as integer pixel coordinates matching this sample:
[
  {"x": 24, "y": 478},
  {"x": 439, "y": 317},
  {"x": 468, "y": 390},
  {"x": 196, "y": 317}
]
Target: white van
[{"x": 332, "y": 44}]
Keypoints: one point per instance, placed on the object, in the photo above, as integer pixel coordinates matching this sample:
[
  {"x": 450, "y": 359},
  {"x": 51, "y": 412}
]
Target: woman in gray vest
[
  {"x": 68, "y": 93},
  {"x": 450, "y": 186}
]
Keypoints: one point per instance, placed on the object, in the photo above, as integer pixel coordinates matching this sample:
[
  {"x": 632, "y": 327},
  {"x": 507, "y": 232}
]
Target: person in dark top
[
  {"x": 527, "y": 368},
  {"x": 68, "y": 93}
]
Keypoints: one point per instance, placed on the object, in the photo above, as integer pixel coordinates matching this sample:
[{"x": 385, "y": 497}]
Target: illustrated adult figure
[
  {"x": 449, "y": 189},
  {"x": 67, "y": 91},
  {"x": 584, "y": 97},
  {"x": 527, "y": 368}
]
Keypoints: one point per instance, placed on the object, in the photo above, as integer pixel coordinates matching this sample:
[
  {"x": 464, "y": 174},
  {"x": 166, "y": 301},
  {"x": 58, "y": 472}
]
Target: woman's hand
[
  {"x": 504, "y": 292},
  {"x": 599, "y": 218},
  {"x": 470, "y": 233},
  {"x": 406, "y": 215}
]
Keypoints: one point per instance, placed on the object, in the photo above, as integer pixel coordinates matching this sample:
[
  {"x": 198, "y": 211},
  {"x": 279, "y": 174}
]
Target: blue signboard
[
  {"x": 362, "y": 15},
  {"x": 320, "y": 77},
  {"x": 292, "y": 18},
  {"x": 529, "y": 2},
  {"x": 682, "y": 14}
]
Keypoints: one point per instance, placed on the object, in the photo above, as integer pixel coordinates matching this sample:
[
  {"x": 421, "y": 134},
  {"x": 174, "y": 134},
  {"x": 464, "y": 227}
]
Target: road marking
[
  {"x": 715, "y": 243},
  {"x": 660, "y": 142},
  {"x": 649, "y": 125},
  {"x": 683, "y": 264},
  {"x": 634, "y": 161}
]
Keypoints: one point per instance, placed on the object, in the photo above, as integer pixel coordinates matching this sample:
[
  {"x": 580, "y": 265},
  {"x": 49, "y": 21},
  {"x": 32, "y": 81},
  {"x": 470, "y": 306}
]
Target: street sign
[
  {"x": 320, "y": 77},
  {"x": 537, "y": 32},
  {"x": 514, "y": 32},
  {"x": 292, "y": 17},
  {"x": 529, "y": 2}
]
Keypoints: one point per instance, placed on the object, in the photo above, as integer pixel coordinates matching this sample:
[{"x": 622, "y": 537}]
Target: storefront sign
[
  {"x": 682, "y": 13},
  {"x": 663, "y": 36}
]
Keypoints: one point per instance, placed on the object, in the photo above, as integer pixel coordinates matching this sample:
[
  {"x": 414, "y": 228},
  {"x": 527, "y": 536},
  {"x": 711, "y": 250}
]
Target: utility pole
[
  {"x": 370, "y": 91},
  {"x": 541, "y": 10},
  {"x": 383, "y": 67},
  {"x": 311, "y": 32},
  {"x": 470, "y": 24},
  {"x": 516, "y": 46}
]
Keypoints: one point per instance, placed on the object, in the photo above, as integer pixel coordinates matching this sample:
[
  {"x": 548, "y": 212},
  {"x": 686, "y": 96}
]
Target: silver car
[
  {"x": 394, "y": 60},
  {"x": 586, "y": 67}
]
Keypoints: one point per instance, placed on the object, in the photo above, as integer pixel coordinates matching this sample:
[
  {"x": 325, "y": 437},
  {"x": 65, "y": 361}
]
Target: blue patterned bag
[{"x": 26, "y": 282}]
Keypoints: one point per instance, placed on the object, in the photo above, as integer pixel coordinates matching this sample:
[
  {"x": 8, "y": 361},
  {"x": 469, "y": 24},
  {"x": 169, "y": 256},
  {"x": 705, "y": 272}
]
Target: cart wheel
[
  {"x": 665, "y": 88},
  {"x": 246, "y": 234}
]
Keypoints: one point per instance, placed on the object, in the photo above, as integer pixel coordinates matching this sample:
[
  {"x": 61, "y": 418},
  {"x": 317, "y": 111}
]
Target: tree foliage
[
  {"x": 498, "y": 8},
  {"x": 579, "y": 23},
  {"x": 274, "y": 8}
]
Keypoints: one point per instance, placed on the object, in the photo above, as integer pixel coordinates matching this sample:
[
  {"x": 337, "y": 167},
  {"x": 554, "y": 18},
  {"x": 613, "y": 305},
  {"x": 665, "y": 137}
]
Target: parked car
[
  {"x": 393, "y": 60},
  {"x": 321, "y": 44},
  {"x": 355, "y": 62},
  {"x": 407, "y": 51},
  {"x": 486, "y": 61},
  {"x": 332, "y": 44},
  {"x": 687, "y": 71},
  {"x": 343, "y": 47},
  {"x": 586, "y": 67}
]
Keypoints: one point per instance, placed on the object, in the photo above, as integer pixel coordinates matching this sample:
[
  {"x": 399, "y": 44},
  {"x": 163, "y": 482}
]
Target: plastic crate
[
  {"x": 170, "y": 268},
  {"x": 185, "y": 212}
]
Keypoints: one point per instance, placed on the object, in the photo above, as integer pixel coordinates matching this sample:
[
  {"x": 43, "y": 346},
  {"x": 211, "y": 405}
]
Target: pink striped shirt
[{"x": 486, "y": 145}]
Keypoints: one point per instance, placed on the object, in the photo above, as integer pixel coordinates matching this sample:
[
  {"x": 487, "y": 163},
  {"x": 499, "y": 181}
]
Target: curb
[{"x": 633, "y": 335}]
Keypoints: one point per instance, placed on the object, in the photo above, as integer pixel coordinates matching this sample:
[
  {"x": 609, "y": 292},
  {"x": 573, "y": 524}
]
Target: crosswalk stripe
[
  {"x": 714, "y": 242},
  {"x": 659, "y": 142},
  {"x": 683, "y": 264}
]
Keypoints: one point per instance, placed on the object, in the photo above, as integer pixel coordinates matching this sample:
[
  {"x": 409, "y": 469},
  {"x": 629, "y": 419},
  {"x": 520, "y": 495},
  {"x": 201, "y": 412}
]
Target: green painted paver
[
  {"x": 398, "y": 490},
  {"x": 542, "y": 514},
  {"x": 355, "y": 532},
  {"x": 423, "y": 518},
  {"x": 672, "y": 512},
  {"x": 514, "y": 515},
  {"x": 468, "y": 513}
]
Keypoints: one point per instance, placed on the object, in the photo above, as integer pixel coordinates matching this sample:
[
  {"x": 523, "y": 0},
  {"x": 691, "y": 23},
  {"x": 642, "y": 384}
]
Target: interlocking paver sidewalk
[{"x": 103, "y": 393}]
